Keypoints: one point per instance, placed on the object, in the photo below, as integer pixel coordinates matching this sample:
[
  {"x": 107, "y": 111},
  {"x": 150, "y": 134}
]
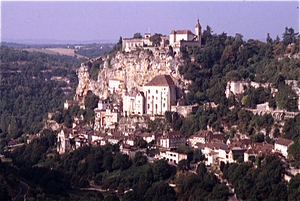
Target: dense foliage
[
  {"x": 27, "y": 92},
  {"x": 262, "y": 183}
]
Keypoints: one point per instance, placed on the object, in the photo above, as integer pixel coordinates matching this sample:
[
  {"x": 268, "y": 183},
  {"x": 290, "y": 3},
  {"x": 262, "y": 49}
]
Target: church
[{"x": 157, "y": 97}]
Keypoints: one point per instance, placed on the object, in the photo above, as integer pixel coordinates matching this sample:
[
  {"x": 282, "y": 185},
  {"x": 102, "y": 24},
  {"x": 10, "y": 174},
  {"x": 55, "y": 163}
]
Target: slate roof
[{"x": 161, "y": 80}]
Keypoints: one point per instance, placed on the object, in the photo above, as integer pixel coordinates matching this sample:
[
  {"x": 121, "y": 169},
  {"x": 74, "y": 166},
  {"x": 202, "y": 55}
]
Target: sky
[{"x": 107, "y": 21}]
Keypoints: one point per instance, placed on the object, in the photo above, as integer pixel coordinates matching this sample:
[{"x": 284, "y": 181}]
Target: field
[{"x": 62, "y": 51}]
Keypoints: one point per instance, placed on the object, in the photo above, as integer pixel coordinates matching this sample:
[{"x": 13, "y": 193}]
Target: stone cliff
[{"x": 134, "y": 69}]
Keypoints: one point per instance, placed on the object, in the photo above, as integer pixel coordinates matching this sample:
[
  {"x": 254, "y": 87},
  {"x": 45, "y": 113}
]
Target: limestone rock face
[{"x": 135, "y": 69}]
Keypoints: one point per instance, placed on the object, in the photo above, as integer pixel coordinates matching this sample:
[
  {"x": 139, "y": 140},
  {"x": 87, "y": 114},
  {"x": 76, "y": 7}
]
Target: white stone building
[
  {"x": 171, "y": 156},
  {"x": 172, "y": 139},
  {"x": 130, "y": 44},
  {"x": 133, "y": 102},
  {"x": 182, "y": 38},
  {"x": 160, "y": 94},
  {"x": 63, "y": 141},
  {"x": 282, "y": 145}
]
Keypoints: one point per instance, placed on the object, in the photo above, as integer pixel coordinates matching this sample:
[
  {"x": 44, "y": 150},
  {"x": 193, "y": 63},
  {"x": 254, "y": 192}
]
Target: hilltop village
[
  {"x": 192, "y": 115},
  {"x": 142, "y": 83}
]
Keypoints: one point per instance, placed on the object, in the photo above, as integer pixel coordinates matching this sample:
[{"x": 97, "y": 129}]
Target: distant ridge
[{"x": 54, "y": 42}]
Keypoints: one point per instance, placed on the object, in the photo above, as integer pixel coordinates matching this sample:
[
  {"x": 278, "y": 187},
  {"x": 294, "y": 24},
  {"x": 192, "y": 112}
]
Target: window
[
  {"x": 156, "y": 98},
  {"x": 148, "y": 106},
  {"x": 156, "y": 91},
  {"x": 164, "y": 105},
  {"x": 149, "y": 91}
]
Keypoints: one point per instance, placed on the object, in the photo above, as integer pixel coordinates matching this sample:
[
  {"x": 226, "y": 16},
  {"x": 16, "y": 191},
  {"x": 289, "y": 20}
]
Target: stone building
[
  {"x": 172, "y": 139},
  {"x": 133, "y": 102},
  {"x": 130, "y": 44},
  {"x": 182, "y": 38},
  {"x": 160, "y": 95}
]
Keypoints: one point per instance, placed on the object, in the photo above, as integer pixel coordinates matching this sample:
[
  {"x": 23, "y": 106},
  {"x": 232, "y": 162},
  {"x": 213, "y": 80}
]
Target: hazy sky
[{"x": 100, "y": 20}]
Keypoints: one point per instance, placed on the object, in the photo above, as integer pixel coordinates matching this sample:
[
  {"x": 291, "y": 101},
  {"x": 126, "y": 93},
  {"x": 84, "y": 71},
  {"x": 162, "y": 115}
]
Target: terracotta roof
[
  {"x": 161, "y": 80},
  {"x": 283, "y": 141},
  {"x": 182, "y": 32}
]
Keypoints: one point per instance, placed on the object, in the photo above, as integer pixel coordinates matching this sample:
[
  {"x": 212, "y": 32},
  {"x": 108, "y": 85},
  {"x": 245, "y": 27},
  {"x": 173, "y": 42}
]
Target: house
[
  {"x": 131, "y": 44},
  {"x": 185, "y": 38},
  {"x": 282, "y": 145},
  {"x": 199, "y": 137},
  {"x": 69, "y": 103},
  {"x": 171, "y": 156},
  {"x": 133, "y": 102},
  {"x": 148, "y": 137},
  {"x": 160, "y": 94},
  {"x": 63, "y": 141},
  {"x": 257, "y": 150},
  {"x": 104, "y": 118},
  {"x": 173, "y": 139}
]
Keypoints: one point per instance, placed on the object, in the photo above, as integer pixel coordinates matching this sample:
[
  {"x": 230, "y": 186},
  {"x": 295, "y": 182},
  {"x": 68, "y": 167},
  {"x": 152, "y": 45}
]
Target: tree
[
  {"x": 289, "y": 36},
  {"x": 294, "y": 154},
  {"x": 156, "y": 39},
  {"x": 91, "y": 101},
  {"x": 269, "y": 39},
  {"x": 183, "y": 165},
  {"x": 294, "y": 188},
  {"x": 141, "y": 143},
  {"x": 139, "y": 159},
  {"x": 160, "y": 191},
  {"x": 161, "y": 170},
  {"x": 201, "y": 170},
  {"x": 137, "y": 35},
  {"x": 286, "y": 98}
]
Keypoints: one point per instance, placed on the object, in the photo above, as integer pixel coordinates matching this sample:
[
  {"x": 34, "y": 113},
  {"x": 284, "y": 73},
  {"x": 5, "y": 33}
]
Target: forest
[{"x": 27, "y": 92}]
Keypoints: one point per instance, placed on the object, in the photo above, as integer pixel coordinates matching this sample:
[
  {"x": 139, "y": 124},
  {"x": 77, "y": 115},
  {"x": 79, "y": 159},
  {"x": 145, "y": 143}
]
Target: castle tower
[{"x": 198, "y": 31}]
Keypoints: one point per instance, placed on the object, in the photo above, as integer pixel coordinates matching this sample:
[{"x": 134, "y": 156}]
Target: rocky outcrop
[{"x": 134, "y": 68}]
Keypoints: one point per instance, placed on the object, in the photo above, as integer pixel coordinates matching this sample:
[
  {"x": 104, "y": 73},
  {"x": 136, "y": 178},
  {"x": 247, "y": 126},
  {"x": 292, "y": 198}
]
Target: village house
[
  {"x": 105, "y": 118},
  {"x": 281, "y": 145},
  {"x": 130, "y": 44},
  {"x": 63, "y": 141},
  {"x": 234, "y": 88},
  {"x": 160, "y": 95},
  {"x": 173, "y": 139},
  {"x": 148, "y": 137},
  {"x": 69, "y": 103},
  {"x": 199, "y": 137},
  {"x": 171, "y": 156},
  {"x": 133, "y": 102},
  {"x": 257, "y": 150}
]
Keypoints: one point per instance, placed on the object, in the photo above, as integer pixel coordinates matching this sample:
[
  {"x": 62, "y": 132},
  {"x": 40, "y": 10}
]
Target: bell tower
[{"x": 198, "y": 32}]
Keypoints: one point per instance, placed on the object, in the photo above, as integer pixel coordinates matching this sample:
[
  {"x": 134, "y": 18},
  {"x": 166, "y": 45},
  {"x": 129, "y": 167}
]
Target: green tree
[
  {"x": 139, "y": 159},
  {"x": 137, "y": 35},
  {"x": 91, "y": 101},
  {"x": 156, "y": 39}
]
